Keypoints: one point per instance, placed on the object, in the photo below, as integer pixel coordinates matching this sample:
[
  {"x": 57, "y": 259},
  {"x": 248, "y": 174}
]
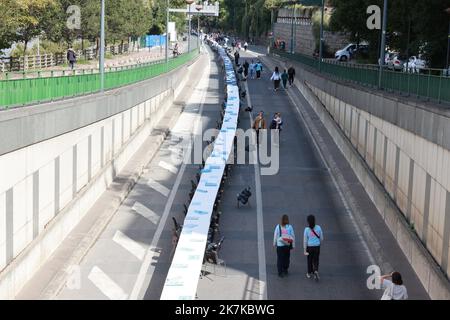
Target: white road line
[
  {"x": 148, "y": 265},
  {"x": 129, "y": 244},
  {"x": 158, "y": 187},
  {"x": 147, "y": 213},
  {"x": 259, "y": 215},
  {"x": 106, "y": 285},
  {"x": 168, "y": 167}
]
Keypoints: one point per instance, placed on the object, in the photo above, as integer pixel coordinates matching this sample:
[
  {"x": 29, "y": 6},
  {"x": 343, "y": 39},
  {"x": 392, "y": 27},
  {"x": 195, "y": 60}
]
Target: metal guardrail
[
  {"x": 428, "y": 86},
  {"x": 21, "y": 92}
]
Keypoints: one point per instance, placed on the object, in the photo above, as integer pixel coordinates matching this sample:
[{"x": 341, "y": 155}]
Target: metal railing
[
  {"x": 427, "y": 86},
  {"x": 19, "y": 92}
]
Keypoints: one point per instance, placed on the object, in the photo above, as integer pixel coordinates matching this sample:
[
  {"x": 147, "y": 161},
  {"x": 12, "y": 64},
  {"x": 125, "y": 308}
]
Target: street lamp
[
  {"x": 102, "y": 46},
  {"x": 448, "y": 45},
  {"x": 383, "y": 44},
  {"x": 199, "y": 8},
  {"x": 189, "y": 2},
  {"x": 167, "y": 33}
]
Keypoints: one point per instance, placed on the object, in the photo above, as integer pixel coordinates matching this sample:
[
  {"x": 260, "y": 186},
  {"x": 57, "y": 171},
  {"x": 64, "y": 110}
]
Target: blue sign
[{"x": 155, "y": 41}]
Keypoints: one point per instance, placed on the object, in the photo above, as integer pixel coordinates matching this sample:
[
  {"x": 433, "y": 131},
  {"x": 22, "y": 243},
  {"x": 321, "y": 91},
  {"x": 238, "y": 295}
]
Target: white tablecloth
[{"x": 182, "y": 279}]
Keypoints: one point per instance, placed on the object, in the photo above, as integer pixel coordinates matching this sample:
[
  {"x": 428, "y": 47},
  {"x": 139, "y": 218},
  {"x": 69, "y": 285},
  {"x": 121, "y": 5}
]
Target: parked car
[
  {"x": 346, "y": 53},
  {"x": 396, "y": 62},
  {"x": 415, "y": 65},
  {"x": 350, "y": 51}
]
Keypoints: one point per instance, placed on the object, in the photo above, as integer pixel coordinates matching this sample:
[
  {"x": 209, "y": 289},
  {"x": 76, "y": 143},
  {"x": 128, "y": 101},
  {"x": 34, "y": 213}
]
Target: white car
[
  {"x": 346, "y": 53},
  {"x": 415, "y": 64}
]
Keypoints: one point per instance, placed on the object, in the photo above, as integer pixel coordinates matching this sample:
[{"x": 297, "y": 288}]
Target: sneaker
[
  {"x": 316, "y": 276},
  {"x": 308, "y": 275}
]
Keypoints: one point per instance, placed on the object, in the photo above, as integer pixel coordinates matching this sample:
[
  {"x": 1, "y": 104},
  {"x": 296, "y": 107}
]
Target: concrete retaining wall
[
  {"x": 400, "y": 153},
  {"x": 305, "y": 42},
  {"x": 79, "y": 147}
]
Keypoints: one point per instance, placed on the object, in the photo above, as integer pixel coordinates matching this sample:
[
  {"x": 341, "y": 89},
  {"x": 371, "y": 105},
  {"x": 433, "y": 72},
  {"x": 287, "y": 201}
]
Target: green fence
[
  {"x": 426, "y": 86},
  {"x": 30, "y": 91}
]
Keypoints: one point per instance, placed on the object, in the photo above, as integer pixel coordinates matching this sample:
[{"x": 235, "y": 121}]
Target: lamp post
[
  {"x": 383, "y": 44},
  {"x": 448, "y": 45},
  {"x": 321, "y": 36},
  {"x": 102, "y": 46},
  {"x": 167, "y": 33},
  {"x": 189, "y": 2},
  {"x": 199, "y": 8}
]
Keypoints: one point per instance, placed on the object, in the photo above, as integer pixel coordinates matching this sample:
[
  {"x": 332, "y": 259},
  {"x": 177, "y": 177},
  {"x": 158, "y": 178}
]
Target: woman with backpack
[
  {"x": 312, "y": 239},
  {"x": 284, "y": 242},
  {"x": 276, "y": 78}
]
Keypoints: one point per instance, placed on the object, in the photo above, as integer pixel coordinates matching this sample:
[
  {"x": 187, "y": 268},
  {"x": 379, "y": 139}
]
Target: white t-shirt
[
  {"x": 275, "y": 76},
  {"x": 393, "y": 291}
]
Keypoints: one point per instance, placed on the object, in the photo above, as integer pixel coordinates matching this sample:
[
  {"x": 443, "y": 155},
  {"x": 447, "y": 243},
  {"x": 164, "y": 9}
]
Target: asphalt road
[
  {"x": 304, "y": 185},
  {"x": 132, "y": 256}
]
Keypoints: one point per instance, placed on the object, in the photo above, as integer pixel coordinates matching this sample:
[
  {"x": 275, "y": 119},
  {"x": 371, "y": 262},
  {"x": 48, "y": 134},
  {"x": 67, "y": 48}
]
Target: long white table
[{"x": 182, "y": 279}]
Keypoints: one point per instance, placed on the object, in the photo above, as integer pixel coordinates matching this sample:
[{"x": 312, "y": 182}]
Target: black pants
[
  {"x": 258, "y": 74},
  {"x": 291, "y": 79},
  {"x": 313, "y": 258},
  {"x": 276, "y": 84},
  {"x": 257, "y": 136},
  {"x": 283, "y": 258}
]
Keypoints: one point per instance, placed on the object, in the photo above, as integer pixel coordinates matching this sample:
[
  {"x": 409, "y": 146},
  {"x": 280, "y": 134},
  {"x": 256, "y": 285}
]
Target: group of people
[
  {"x": 287, "y": 76},
  {"x": 284, "y": 242},
  {"x": 252, "y": 69},
  {"x": 276, "y": 125},
  {"x": 238, "y": 45}
]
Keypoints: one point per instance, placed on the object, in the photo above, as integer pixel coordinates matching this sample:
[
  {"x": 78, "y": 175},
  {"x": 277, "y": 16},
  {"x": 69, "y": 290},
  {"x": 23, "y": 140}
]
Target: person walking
[
  {"x": 394, "y": 288},
  {"x": 275, "y": 127},
  {"x": 246, "y": 66},
  {"x": 312, "y": 239},
  {"x": 72, "y": 58},
  {"x": 258, "y": 69},
  {"x": 284, "y": 242},
  {"x": 284, "y": 78},
  {"x": 291, "y": 75},
  {"x": 276, "y": 78},
  {"x": 259, "y": 124},
  {"x": 252, "y": 70},
  {"x": 236, "y": 58}
]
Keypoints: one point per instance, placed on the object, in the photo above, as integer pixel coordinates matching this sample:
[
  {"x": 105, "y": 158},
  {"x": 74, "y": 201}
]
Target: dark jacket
[
  {"x": 291, "y": 71},
  {"x": 71, "y": 56}
]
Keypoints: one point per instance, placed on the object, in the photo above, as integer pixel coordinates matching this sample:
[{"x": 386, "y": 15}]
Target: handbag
[{"x": 286, "y": 238}]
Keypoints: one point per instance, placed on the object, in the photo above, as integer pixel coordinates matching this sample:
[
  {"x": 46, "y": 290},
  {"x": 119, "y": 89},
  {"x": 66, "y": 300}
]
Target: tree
[
  {"x": 9, "y": 11},
  {"x": 31, "y": 17}
]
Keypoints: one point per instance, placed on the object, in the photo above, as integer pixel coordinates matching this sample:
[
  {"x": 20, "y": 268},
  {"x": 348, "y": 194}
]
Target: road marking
[
  {"x": 129, "y": 244},
  {"x": 168, "y": 167},
  {"x": 262, "y": 272},
  {"x": 147, "y": 213},
  {"x": 148, "y": 266},
  {"x": 158, "y": 187},
  {"x": 106, "y": 285}
]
